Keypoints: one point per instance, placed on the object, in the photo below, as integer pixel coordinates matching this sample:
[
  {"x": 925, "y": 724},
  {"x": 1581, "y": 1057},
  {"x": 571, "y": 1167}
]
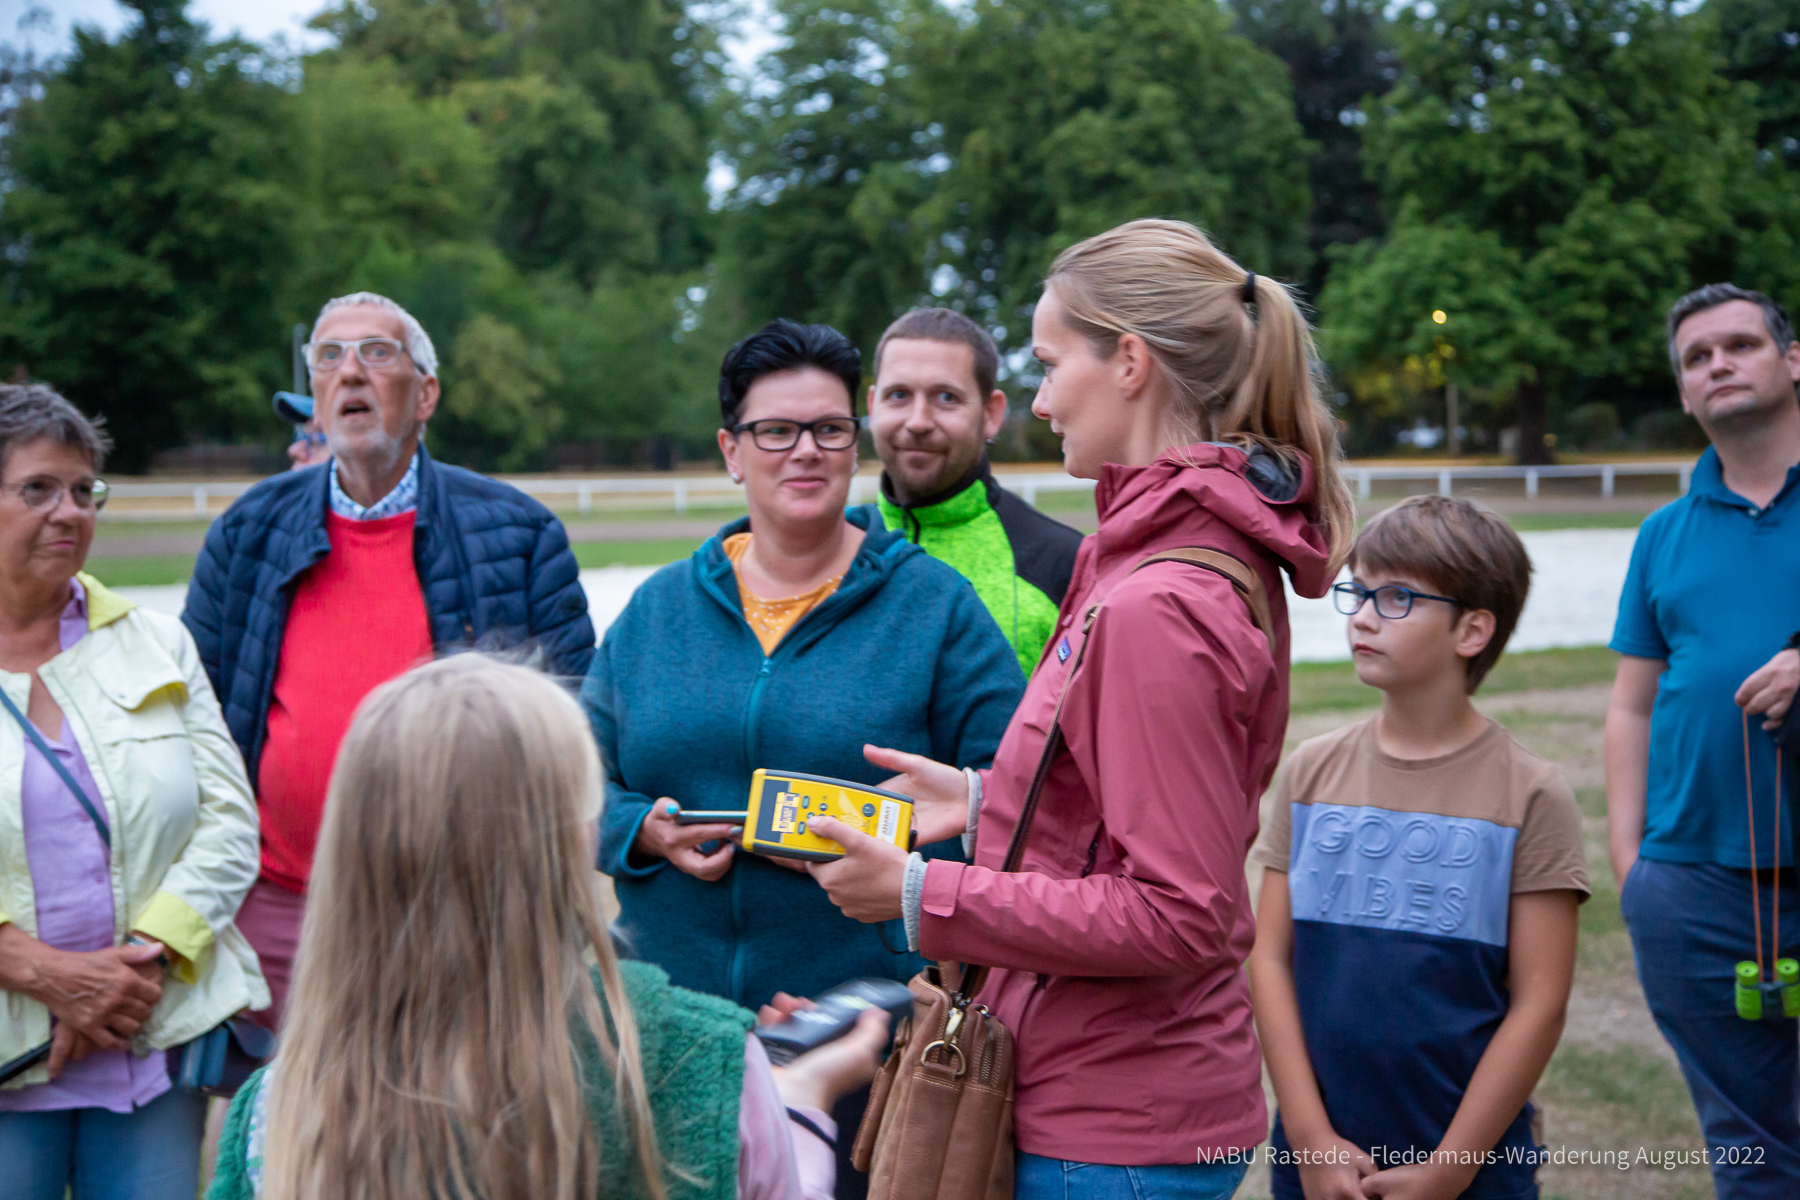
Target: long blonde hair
[
  {"x": 428, "y": 1048},
  {"x": 1237, "y": 379}
]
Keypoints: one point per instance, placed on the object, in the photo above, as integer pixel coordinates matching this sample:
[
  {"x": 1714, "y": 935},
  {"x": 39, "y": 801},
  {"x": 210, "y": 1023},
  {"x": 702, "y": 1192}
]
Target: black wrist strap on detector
[{"x": 807, "y": 1123}]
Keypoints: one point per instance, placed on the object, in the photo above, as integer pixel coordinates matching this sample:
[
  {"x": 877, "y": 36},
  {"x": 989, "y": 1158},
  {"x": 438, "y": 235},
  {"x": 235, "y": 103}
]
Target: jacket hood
[{"x": 1173, "y": 500}]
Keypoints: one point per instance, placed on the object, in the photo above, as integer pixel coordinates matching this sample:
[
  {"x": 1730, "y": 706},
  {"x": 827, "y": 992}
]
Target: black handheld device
[
  {"x": 832, "y": 1016},
  {"x": 707, "y": 816},
  {"x": 13, "y": 1068}
]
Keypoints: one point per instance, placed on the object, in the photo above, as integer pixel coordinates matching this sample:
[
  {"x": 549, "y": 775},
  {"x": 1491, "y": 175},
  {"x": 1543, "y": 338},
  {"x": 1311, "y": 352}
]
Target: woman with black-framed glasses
[{"x": 785, "y": 641}]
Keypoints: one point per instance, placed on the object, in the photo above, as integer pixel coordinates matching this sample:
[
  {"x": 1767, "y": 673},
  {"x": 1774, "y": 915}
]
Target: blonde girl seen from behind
[{"x": 428, "y": 1048}]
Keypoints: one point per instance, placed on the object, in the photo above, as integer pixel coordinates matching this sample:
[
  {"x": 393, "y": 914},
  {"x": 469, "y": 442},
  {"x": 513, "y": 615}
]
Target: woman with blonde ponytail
[
  {"x": 1184, "y": 384},
  {"x": 460, "y": 1025}
]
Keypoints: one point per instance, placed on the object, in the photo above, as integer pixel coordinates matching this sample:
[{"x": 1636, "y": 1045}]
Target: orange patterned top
[{"x": 771, "y": 619}]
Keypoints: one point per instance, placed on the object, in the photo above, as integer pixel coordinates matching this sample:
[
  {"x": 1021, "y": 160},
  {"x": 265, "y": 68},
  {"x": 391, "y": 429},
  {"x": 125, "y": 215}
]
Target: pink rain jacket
[{"x": 1119, "y": 946}]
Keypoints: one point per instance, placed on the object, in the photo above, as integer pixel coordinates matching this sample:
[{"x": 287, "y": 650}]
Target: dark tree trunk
[{"x": 1533, "y": 407}]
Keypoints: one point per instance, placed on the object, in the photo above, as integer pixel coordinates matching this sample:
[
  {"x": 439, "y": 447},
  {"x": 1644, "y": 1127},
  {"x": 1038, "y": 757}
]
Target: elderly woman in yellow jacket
[{"x": 128, "y": 838}]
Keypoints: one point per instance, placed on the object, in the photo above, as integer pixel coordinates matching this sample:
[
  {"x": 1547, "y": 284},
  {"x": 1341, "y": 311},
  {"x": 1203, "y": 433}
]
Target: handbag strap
[
  {"x": 37, "y": 739},
  {"x": 1248, "y": 585}
]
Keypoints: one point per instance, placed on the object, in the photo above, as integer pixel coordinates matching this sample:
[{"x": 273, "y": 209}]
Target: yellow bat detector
[{"x": 783, "y": 803}]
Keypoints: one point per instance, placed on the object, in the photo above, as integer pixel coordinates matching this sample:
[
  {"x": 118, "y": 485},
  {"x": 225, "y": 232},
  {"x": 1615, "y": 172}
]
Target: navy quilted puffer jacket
[{"x": 494, "y": 565}]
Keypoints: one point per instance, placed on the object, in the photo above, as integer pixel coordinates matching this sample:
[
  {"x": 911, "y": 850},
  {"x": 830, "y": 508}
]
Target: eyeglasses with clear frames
[
  {"x": 377, "y": 354},
  {"x": 45, "y": 492}
]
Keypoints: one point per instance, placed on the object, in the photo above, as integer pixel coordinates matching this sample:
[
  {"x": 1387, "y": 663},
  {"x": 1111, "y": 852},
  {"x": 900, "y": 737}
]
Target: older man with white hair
[{"x": 319, "y": 584}]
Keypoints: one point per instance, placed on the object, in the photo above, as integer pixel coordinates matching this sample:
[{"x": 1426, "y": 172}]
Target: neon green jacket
[{"x": 1018, "y": 559}]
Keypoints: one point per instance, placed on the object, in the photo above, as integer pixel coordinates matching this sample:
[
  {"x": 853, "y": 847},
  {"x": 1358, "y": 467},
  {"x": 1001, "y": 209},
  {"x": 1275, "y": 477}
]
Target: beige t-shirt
[
  {"x": 1425, "y": 821},
  {"x": 1400, "y": 876}
]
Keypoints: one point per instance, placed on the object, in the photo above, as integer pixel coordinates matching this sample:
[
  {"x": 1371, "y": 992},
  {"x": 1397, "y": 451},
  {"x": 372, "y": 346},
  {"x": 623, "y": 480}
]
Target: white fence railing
[
  {"x": 1446, "y": 477},
  {"x": 681, "y": 492}
]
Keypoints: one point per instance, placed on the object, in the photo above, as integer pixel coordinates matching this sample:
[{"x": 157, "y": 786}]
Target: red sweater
[{"x": 356, "y": 621}]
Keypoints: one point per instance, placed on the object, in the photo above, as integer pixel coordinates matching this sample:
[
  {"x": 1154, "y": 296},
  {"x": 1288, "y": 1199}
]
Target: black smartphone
[
  {"x": 23, "y": 1063},
  {"x": 832, "y": 1017},
  {"x": 707, "y": 816}
]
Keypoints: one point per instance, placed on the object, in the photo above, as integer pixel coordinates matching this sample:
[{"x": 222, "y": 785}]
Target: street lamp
[{"x": 1454, "y": 443}]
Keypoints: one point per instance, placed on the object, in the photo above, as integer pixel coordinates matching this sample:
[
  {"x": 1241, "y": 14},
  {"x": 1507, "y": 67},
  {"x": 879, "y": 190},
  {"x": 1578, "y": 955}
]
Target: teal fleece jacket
[{"x": 684, "y": 704}]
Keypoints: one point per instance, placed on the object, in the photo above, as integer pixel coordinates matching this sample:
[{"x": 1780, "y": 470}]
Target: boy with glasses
[{"x": 1416, "y": 932}]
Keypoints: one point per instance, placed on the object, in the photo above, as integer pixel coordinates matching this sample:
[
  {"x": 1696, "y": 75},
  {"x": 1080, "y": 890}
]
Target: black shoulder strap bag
[{"x": 219, "y": 1060}]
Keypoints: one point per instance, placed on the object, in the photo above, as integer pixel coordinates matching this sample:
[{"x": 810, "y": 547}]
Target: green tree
[
  {"x": 1063, "y": 119},
  {"x": 912, "y": 148},
  {"x": 149, "y": 219},
  {"x": 1600, "y": 145},
  {"x": 387, "y": 173},
  {"x": 1762, "y": 46},
  {"x": 832, "y": 160},
  {"x": 498, "y": 389},
  {"x": 570, "y": 142},
  {"x": 1339, "y": 53},
  {"x": 597, "y": 115}
]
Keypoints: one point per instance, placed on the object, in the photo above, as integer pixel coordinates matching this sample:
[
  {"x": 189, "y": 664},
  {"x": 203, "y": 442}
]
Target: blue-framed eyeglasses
[{"x": 1392, "y": 601}]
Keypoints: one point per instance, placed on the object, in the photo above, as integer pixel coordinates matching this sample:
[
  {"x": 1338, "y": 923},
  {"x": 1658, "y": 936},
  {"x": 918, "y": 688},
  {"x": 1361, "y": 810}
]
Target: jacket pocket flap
[{"x": 129, "y": 680}]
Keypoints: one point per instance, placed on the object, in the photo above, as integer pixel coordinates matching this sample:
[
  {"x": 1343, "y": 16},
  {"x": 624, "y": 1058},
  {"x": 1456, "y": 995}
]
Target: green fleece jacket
[{"x": 1018, "y": 559}]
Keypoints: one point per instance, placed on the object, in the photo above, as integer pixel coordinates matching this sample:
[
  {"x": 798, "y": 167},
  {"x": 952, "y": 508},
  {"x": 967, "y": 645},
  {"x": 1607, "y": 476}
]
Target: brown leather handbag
[{"x": 939, "y": 1125}]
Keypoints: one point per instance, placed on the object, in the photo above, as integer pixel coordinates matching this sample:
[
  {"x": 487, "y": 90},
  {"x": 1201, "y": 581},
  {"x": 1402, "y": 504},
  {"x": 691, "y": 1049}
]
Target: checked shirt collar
[{"x": 404, "y": 497}]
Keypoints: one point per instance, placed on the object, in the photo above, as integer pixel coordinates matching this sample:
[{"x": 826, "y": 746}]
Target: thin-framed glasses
[
  {"x": 42, "y": 492},
  {"x": 1392, "y": 601},
  {"x": 377, "y": 354},
  {"x": 311, "y": 437},
  {"x": 778, "y": 433}
]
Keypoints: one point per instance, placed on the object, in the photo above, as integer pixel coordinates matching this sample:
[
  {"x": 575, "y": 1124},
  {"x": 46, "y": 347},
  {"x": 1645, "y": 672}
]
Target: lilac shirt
[{"x": 72, "y": 886}]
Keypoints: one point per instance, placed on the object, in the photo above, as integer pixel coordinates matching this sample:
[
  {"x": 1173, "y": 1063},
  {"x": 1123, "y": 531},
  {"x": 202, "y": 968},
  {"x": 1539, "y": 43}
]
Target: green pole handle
[{"x": 1749, "y": 992}]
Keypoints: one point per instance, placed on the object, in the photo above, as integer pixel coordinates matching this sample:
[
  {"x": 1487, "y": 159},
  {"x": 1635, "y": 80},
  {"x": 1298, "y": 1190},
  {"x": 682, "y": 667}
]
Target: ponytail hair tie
[{"x": 1249, "y": 292}]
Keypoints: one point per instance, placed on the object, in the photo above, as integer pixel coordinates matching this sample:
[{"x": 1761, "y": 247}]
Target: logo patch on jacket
[{"x": 1062, "y": 650}]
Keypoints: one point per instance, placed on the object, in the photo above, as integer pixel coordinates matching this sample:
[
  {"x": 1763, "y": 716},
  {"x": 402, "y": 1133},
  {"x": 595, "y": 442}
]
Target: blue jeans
[
  {"x": 1690, "y": 925},
  {"x": 151, "y": 1153},
  {"x": 1042, "y": 1178}
]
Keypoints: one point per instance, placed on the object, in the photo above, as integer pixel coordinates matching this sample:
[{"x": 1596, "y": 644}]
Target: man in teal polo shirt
[
  {"x": 932, "y": 409},
  {"x": 1711, "y": 594}
]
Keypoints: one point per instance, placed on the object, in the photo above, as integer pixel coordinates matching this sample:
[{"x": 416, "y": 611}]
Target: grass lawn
[
  {"x": 139, "y": 570},
  {"x": 648, "y": 552},
  {"x": 1328, "y": 687},
  {"x": 1533, "y": 522},
  {"x": 117, "y": 529},
  {"x": 696, "y": 511}
]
